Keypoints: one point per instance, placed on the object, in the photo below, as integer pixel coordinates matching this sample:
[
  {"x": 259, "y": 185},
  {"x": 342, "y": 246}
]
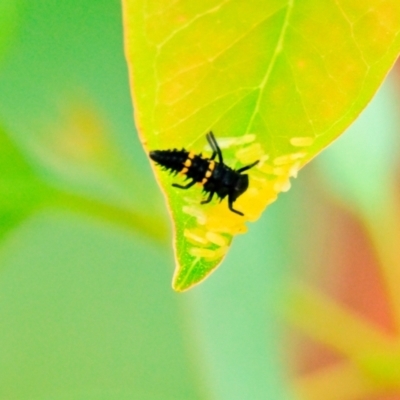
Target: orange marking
[
  {"x": 211, "y": 165},
  {"x": 184, "y": 171},
  {"x": 208, "y": 174},
  {"x": 188, "y": 163},
  {"x": 204, "y": 181},
  {"x": 191, "y": 155}
]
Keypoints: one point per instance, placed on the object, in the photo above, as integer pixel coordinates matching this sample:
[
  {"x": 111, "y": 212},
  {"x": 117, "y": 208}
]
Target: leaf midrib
[{"x": 277, "y": 51}]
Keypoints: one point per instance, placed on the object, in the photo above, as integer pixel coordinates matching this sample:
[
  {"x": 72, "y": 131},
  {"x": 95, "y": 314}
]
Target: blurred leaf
[
  {"x": 21, "y": 191},
  {"x": 86, "y": 314},
  {"x": 275, "y": 81},
  {"x": 76, "y": 152},
  {"x": 77, "y": 156},
  {"x": 8, "y": 23},
  {"x": 371, "y": 364},
  {"x": 360, "y": 168}
]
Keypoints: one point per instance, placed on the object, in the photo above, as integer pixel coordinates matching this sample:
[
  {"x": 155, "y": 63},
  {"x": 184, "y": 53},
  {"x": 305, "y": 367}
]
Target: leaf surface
[{"x": 275, "y": 81}]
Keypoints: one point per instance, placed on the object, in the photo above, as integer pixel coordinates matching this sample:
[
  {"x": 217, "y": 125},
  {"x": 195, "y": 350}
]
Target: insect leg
[
  {"x": 214, "y": 145},
  {"x": 230, "y": 203},
  {"x": 209, "y": 198},
  {"x": 247, "y": 167},
  {"x": 211, "y": 143},
  {"x": 190, "y": 184}
]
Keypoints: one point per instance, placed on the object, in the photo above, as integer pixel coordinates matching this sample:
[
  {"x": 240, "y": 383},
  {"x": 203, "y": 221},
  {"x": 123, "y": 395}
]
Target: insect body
[{"x": 215, "y": 176}]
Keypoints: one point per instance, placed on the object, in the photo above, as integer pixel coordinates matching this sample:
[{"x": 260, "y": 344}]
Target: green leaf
[
  {"x": 24, "y": 190},
  {"x": 77, "y": 156},
  {"x": 21, "y": 191},
  {"x": 275, "y": 81},
  {"x": 8, "y": 24}
]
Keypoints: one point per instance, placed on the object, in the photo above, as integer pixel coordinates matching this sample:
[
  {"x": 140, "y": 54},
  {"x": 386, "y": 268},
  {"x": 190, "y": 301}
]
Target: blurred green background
[{"x": 86, "y": 305}]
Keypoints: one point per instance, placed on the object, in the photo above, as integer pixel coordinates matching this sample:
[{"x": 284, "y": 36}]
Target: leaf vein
[{"x": 271, "y": 64}]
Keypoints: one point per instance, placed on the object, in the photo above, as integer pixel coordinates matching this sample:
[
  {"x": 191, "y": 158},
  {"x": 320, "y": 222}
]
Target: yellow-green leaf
[{"x": 274, "y": 80}]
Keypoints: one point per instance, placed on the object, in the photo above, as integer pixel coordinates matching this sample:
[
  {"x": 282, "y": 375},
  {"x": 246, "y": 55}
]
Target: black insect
[{"x": 215, "y": 176}]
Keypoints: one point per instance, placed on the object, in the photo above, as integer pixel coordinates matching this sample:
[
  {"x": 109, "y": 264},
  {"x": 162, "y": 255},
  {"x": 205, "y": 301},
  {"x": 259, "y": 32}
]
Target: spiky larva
[
  {"x": 216, "y": 238},
  {"x": 302, "y": 141}
]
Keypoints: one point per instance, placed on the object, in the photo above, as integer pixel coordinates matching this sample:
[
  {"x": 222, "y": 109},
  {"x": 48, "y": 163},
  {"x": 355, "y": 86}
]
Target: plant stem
[{"x": 154, "y": 227}]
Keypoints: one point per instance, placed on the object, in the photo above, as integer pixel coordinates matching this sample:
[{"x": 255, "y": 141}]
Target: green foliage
[
  {"x": 21, "y": 191},
  {"x": 86, "y": 309},
  {"x": 8, "y": 24},
  {"x": 275, "y": 81},
  {"x": 24, "y": 191}
]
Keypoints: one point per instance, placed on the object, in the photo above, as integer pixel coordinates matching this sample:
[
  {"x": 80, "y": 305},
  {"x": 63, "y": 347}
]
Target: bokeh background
[{"x": 86, "y": 305}]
